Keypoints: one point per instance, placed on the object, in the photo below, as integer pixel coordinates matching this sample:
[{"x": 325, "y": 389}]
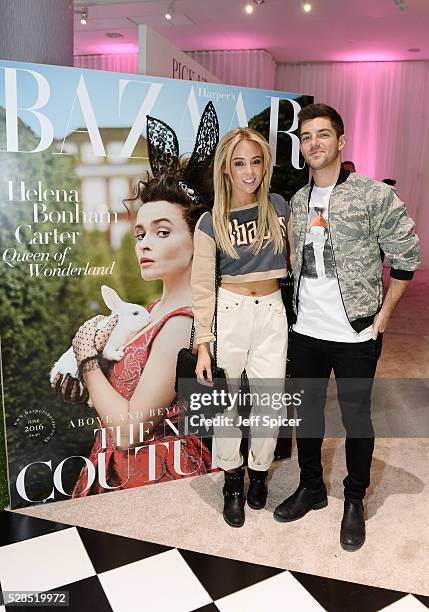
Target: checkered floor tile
[{"x": 103, "y": 572}]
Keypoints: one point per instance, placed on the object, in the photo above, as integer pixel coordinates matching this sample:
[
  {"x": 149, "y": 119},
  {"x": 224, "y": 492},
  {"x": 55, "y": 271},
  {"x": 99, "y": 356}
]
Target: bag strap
[
  {"x": 192, "y": 338},
  {"x": 216, "y": 284}
]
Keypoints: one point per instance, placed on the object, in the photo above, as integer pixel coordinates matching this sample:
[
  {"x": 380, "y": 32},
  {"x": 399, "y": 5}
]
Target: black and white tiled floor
[{"x": 104, "y": 572}]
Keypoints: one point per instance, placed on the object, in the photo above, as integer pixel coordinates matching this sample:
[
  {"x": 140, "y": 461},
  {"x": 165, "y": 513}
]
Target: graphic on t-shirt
[
  {"x": 318, "y": 261},
  {"x": 244, "y": 233}
]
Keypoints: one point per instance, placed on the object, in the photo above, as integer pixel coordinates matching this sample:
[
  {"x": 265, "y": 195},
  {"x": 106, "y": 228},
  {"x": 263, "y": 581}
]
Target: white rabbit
[{"x": 131, "y": 319}]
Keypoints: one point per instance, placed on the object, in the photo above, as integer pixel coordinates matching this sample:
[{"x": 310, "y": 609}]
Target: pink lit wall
[
  {"x": 384, "y": 107},
  {"x": 118, "y": 62}
]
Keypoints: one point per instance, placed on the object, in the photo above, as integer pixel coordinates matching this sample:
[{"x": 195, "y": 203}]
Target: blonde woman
[{"x": 247, "y": 227}]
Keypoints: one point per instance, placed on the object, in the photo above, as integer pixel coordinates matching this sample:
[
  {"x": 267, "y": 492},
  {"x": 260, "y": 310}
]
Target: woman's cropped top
[{"x": 249, "y": 267}]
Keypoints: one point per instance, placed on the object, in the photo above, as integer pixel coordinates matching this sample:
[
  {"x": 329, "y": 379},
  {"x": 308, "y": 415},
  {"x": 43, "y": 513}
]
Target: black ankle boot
[
  {"x": 299, "y": 503},
  {"x": 257, "y": 493},
  {"x": 352, "y": 534},
  {"x": 233, "y": 493}
]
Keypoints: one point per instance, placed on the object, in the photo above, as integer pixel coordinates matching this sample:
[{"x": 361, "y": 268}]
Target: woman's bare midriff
[{"x": 255, "y": 288}]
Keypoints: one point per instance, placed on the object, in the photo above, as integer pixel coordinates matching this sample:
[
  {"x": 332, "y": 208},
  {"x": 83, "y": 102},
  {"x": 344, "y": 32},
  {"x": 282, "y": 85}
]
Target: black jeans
[{"x": 313, "y": 360}]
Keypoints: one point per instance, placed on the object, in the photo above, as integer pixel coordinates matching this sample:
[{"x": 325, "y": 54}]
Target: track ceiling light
[
  {"x": 84, "y": 16},
  {"x": 249, "y": 8},
  {"x": 169, "y": 14}
]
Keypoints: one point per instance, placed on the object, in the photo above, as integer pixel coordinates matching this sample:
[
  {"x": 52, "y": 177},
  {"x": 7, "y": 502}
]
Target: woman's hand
[
  {"x": 89, "y": 341},
  {"x": 87, "y": 344},
  {"x": 72, "y": 391},
  {"x": 204, "y": 366}
]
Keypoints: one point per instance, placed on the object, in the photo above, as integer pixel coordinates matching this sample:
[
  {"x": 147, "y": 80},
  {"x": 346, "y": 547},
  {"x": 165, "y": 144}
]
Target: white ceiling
[{"x": 342, "y": 30}]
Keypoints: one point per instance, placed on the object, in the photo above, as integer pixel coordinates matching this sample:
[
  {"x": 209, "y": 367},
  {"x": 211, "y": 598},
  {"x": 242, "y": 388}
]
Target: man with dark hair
[
  {"x": 349, "y": 166},
  {"x": 338, "y": 223},
  {"x": 313, "y": 111}
]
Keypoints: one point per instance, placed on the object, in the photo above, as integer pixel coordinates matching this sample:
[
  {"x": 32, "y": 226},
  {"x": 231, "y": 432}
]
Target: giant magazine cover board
[{"x": 72, "y": 148}]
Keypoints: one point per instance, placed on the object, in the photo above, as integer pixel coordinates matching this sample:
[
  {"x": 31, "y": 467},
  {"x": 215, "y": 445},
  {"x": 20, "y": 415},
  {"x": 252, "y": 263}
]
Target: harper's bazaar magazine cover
[{"x": 73, "y": 147}]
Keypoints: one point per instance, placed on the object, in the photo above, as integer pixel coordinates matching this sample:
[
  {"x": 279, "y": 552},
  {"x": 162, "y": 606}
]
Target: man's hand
[
  {"x": 381, "y": 321},
  {"x": 395, "y": 292}
]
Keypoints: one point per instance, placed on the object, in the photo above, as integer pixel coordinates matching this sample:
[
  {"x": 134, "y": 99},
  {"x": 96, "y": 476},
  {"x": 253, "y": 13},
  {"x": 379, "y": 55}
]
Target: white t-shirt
[{"x": 321, "y": 312}]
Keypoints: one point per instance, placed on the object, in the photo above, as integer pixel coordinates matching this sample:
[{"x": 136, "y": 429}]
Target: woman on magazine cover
[
  {"x": 247, "y": 232},
  {"x": 138, "y": 390}
]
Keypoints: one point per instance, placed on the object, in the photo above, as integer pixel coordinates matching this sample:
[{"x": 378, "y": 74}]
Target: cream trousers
[{"x": 252, "y": 335}]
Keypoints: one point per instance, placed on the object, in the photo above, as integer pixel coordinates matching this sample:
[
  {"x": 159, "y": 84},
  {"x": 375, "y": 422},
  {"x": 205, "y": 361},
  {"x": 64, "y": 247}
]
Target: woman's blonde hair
[{"x": 268, "y": 223}]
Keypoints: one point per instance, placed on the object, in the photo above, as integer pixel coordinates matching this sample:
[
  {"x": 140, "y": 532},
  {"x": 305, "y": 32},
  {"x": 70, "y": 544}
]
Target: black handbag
[{"x": 186, "y": 380}]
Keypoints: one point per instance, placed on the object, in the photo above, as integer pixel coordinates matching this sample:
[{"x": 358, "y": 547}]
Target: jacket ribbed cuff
[{"x": 404, "y": 275}]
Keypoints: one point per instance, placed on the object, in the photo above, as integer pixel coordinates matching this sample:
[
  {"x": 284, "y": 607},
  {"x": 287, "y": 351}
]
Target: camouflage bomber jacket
[{"x": 364, "y": 215}]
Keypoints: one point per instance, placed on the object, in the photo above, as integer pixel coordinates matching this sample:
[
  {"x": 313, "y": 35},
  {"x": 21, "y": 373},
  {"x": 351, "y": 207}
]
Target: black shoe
[
  {"x": 301, "y": 502},
  {"x": 257, "y": 493},
  {"x": 233, "y": 493},
  {"x": 352, "y": 534}
]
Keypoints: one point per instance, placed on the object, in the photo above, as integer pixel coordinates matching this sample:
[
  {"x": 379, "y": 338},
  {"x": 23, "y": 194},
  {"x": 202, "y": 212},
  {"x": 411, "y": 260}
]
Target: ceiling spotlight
[
  {"x": 170, "y": 11},
  {"x": 400, "y": 4},
  {"x": 306, "y": 7},
  {"x": 84, "y": 16},
  {"x": 249, "y": 9}
]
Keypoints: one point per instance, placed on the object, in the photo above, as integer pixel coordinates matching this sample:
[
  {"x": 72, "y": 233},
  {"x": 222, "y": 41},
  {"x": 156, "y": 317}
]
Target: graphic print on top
[{"x": 318, "y": 261}]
